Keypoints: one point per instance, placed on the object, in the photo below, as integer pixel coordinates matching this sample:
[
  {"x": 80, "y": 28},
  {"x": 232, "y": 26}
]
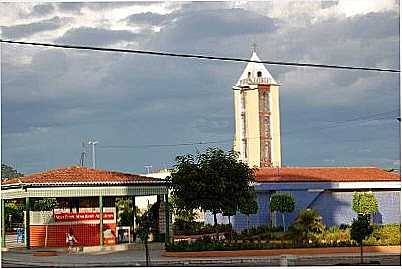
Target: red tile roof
[
  {"x": 324, "y": 174},
  {"x": 81, "y": 175}
]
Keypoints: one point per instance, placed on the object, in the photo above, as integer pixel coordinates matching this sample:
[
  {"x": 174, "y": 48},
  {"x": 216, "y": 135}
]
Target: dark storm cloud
[
  {"x": 96, "y": 36},
  {"x": 328, "y": 3},
  {"x": 203, "y": 6},
  {"x": 25, "y": 30},
  {"x": 218, "y": 23},
  {"x": 146, "y": 18},
  {"x": 74, "y": 7},
  {"x": 135, "y": 100},
  {"x": 42, "y": 10},
  {"x": 110, "y": 5},
  {"x": 373, "y": 25}
]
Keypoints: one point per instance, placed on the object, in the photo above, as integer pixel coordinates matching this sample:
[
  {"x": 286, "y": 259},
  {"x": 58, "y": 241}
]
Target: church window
[{"x": 259, "y": 74}]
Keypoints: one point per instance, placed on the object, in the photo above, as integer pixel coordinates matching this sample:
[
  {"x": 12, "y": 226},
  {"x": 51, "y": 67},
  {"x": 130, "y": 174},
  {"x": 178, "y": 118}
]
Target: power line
[
  {"x": 163, "y": 145},
  {"x": 366, "y": 117},
  {"x": 205, "y": 57},
  {"x": 249, "y": 138}
]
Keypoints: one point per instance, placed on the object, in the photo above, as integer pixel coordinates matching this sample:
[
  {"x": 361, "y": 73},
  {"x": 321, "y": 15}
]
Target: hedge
[{"x": 184, "y": 246}]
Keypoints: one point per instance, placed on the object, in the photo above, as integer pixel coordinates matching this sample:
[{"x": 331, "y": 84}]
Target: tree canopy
[
  {"x": 284, "y": 203},
  {"x": 45, "y": 204},
  {"x": 9, "y": 172},
  {"x": 248, "y": 204},
  {"x": 214, "y": 180},
  {"x": 364, "y": 203}
]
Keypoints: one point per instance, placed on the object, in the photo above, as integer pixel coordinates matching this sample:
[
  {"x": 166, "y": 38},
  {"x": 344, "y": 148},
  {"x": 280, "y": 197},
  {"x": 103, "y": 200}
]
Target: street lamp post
[{"x": 93, "y": 143}]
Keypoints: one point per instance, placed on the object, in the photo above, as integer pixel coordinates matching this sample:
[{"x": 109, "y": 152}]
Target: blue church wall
[
  {"x": 303, "y": 200},
  {"x": 334, "y": 206},
  {"x": 389, "y": 206}
]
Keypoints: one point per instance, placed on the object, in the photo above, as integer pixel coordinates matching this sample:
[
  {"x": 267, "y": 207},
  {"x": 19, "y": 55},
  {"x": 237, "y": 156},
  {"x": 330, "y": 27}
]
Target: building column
[
  {"x": 167, "y": 219},
  {"x": 134, "y": 224},
  {"x": 3, "y": 224},
  {"x": 101, "y": 220},
  {"x": 26, "y": 222}
]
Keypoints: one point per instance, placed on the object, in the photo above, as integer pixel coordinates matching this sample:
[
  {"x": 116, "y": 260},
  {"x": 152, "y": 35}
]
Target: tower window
[
  {"x": 249, "y": 74},
  {"x": 259, "y": 74}
]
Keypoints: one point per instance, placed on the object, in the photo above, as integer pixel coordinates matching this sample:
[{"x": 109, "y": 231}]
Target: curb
[
  {"x": 91, "y": 249},
  {"x": 272, "y": 260}
]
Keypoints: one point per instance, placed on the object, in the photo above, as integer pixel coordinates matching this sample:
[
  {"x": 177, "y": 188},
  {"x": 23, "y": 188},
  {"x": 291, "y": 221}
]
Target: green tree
[
  {"x": 228, "y": 212},
  {"x": 125, "y": 212},
  {"x": 145, "y": 224},
  {"x": 13, "y": 212},
  {"x": 360, "y": 230},
  {"x": 8, "y": 172},
  {"x": 364, "y": 203},
  {"x": 284, "y": 203},
  {"x": 12, "y": 207},
  {"x": 248, "y": 204},
  {"x": 44, "y": 205},
  {"x": 180, "y": 213},
  {"x": 213, "y": 181}
]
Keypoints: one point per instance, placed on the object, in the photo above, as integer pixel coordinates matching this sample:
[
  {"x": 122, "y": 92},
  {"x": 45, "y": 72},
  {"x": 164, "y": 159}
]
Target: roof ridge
[{"x": 312, "y": 167}]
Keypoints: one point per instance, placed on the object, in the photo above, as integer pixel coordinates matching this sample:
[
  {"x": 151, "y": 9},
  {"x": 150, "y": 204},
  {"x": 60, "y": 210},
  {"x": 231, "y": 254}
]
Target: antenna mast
[{"x": 83, "y": 153}]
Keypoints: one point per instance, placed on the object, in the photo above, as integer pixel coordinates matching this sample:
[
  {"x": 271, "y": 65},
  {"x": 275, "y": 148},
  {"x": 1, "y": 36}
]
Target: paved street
[{"x": 131, "y": 258}]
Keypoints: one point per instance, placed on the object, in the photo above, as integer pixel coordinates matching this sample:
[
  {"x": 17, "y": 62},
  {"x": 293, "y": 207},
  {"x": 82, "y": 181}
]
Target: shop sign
[{"x": 82, "y": 216}]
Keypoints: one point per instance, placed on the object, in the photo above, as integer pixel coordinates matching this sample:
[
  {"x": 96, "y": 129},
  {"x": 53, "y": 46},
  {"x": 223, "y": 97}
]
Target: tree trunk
[
  {"x": 283, "y": 222},
  {"x": 46, "y": 237},
  {"x": 248, "y": 222},
  {"x": 146, "y": 253},
  {"x": 215, "y": 219},
  {"x": 361, "y": 252},
  {"x": 230, "y": 233}
]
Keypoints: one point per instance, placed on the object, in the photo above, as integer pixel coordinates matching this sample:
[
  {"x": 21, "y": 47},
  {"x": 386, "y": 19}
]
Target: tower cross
[{"x": 254, "y": 47}]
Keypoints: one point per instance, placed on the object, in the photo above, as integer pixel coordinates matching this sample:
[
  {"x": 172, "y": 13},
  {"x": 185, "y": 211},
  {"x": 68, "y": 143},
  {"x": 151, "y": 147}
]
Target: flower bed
[
  {"x": 199, "y": 245},
  {"x": 287, "y": 251}
]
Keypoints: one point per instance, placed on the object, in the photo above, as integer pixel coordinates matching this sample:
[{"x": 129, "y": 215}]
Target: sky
[{"x": 54, "y": 100}]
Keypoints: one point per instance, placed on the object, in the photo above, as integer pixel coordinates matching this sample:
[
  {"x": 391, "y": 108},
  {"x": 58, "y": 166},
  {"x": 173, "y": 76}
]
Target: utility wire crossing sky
[{"x": 205, "y": 57}]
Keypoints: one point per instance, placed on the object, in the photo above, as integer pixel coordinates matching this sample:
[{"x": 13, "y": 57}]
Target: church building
[{"x": 329, "y": 190}]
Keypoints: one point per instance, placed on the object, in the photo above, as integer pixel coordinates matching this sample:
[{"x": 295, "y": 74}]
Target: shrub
[
  {"x": 335, "y": 234},
  {"x": 202, "y": 245},
  {"x": 182, "y": 227},
  {"x": 306, "y": 227},
  {"x": 385, "y": 235}
]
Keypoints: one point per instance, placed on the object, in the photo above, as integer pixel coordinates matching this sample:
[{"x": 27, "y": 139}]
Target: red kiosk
[{"x": 86, "y": 204}]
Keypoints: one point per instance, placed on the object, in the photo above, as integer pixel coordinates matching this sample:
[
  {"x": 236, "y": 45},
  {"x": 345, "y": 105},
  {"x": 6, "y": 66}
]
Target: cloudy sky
[{"x": 55, "y": 99}]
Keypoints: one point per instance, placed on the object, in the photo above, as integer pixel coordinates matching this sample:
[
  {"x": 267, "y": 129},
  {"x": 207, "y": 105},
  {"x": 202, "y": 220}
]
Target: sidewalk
[{"x": 136, "y": 257}]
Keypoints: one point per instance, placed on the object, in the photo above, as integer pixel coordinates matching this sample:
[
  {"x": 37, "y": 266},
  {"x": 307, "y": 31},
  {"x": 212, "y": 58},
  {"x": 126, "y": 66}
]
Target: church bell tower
[{"x": 257, "y": 120}]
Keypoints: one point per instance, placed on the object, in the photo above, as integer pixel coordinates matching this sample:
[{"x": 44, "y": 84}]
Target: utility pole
[{"x": 93, "y": 143}]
